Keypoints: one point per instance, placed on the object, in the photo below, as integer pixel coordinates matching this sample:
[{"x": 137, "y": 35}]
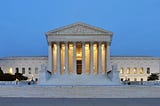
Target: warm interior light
[
  {"x": 63, "y": 47},
  {"x": 95, "y": 46},
  {"x": 78, "y": 54},
  {"x": 141, "y": 71},
  {"x": 70, "y": 46},
  {"x": 128, "y": 70},
  {"x": 11, "y": 70},
  {"x": 121, "y": 71},
  {"x": 87, "y": 47},
  {"x": 55, "y": 46},
  {"x": 135, "y": 71}
]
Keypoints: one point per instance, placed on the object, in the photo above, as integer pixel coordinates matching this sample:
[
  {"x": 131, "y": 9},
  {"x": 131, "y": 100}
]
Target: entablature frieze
[{"x": 79, "y": 38}]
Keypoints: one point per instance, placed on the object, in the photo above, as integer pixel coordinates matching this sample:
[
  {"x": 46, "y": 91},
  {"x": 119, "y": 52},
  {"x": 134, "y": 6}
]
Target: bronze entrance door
[{"x": 79, "y": 67}]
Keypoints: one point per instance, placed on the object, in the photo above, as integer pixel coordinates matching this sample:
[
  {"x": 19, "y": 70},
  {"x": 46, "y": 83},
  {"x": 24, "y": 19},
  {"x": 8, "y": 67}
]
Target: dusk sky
[{"x": 135, "y": 24}]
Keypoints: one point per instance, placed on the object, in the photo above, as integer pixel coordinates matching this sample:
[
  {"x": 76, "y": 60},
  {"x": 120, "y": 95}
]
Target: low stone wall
[
  {"x": 7, "y": 82},
  {"x": 81, "y": 91},
  {"x": 147, "y": 83}
]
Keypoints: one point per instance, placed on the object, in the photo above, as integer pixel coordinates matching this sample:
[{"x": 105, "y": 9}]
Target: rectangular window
[
  {"x": 135, "y": 70},
  {"x": 148, "y": 70},
  {"x": 128, "y": 70},
  {"x": 23, "y": 70},
  {"x": 122, "y": 71},
  {"x": 29, "y": 70},
  {"x": 36, "y": 70},
  {"x": 141, "y": 70},
  {"x": 17, "y": 70}
]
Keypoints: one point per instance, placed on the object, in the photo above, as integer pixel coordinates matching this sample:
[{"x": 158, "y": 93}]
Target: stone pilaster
[
  {"x": 50, "y": 55},
  {"x": 83, "y": 59},
  {"x": 91, "y": 58},
  {"x": 66, "y": 58},
  {"x": 108, "y": 56},
  {"x": 58, "y": 60},
  {"x": 99, "y": 58},
  {"x": 74, "y": 59}
]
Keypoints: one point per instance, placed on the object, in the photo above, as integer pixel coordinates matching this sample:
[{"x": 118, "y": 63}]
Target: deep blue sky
[{"x": 135, "y": 24}]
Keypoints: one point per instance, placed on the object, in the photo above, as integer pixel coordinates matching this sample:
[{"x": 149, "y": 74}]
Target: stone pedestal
[
  {"x": 113, "y": 75},
  {"x": 44, "y": 75}
]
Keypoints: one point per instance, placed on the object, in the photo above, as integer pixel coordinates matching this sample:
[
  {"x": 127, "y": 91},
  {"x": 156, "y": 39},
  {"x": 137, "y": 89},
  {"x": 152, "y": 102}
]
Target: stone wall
[
  {"x": 136, "y": 62},
  {"x": 30, "y": 64}
]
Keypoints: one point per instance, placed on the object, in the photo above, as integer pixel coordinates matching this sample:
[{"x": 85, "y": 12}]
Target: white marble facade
[
  {"x": 9, "y": 65},
  {"x": 80, "y": 54},
  {"x": 28, "y": 66},
  {"x": 79, "y": 49}
]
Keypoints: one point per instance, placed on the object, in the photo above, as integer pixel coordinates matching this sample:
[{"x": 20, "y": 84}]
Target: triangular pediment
[{"x": 79, "y": 28}]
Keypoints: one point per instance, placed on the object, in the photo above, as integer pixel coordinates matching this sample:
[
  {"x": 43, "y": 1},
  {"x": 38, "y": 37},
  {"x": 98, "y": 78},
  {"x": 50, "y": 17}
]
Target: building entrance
[
  {"x": 79, "y": 67},
  {"x": 79, "y": 58}
]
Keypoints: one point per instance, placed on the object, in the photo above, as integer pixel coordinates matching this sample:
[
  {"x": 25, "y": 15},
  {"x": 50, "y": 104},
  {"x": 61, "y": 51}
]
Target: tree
[
  {"x": 1, "y": 71},
  {"x": 153, "y": 77},
  {"x": 10, "y": 77},
  {"x": 20, "y": 76}
]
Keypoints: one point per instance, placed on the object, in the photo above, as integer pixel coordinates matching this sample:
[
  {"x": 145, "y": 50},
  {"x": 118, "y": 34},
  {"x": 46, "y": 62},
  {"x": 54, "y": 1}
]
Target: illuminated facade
[
  {"x": 79, "y": 49},
  {"x": 79, "y": 54}
]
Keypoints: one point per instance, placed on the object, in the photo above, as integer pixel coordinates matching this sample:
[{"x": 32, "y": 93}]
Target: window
[
  {"x": 23, "y": 70},
  {"x": 11, "y": 70},
  {"x": 29, "y": 70},
  {"x": 135, "y": 70},
  {"x": 128, "y": 70},
  {"x": 148, "y": 70},
  {"x": 121, "y": 71},
  {"x": 128, "y": 79},
  {"x": 36, "y": 70},
  {"x": 17, "y": 70},
  {"x": 141, "y": 70},
  {"x": 141, "y": 79},
  {"x": 121, "y": 79}
]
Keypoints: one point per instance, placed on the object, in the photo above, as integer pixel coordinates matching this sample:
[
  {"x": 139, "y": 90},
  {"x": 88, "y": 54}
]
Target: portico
[
  {"x": 78, "y": 58},
  {"x": 79, "y": 54},
  {"x": 79, "y": 49}
]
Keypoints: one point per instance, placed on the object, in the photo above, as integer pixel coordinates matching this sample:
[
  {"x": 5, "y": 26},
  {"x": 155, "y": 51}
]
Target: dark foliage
[
  {"x": 9, "y": 77},
  {"x": 20, "y": 76},
  {"x": 153, "y": 77},
  {"x": 1, "y": 71}
]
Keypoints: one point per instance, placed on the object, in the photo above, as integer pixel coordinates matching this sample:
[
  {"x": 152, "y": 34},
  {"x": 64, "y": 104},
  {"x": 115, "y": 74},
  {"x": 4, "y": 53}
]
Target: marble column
[
  {"x": 58, "y": 60},
  {"x": 50, "y": 55},
  {"x": 66, "y": 58},
  {"x": 74, "y": 59},
  {"x": 83, "y": 58},
  {"x": 99, "y": 58},
  {"x": 91, "y": 58},
  {"x": 108, "y": 56}
]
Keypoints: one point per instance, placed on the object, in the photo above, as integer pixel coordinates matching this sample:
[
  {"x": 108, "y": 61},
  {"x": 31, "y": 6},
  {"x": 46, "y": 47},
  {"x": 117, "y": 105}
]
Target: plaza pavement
[
  {"x": 79, "y": 102},
  {"x": 80, "y": 91}
]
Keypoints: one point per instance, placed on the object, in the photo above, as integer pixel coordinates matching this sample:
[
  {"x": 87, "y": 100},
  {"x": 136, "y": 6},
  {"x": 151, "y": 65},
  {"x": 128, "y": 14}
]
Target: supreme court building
[
  {"x": 79, "y": 50},
  {"x": 79, "y": 54}
]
